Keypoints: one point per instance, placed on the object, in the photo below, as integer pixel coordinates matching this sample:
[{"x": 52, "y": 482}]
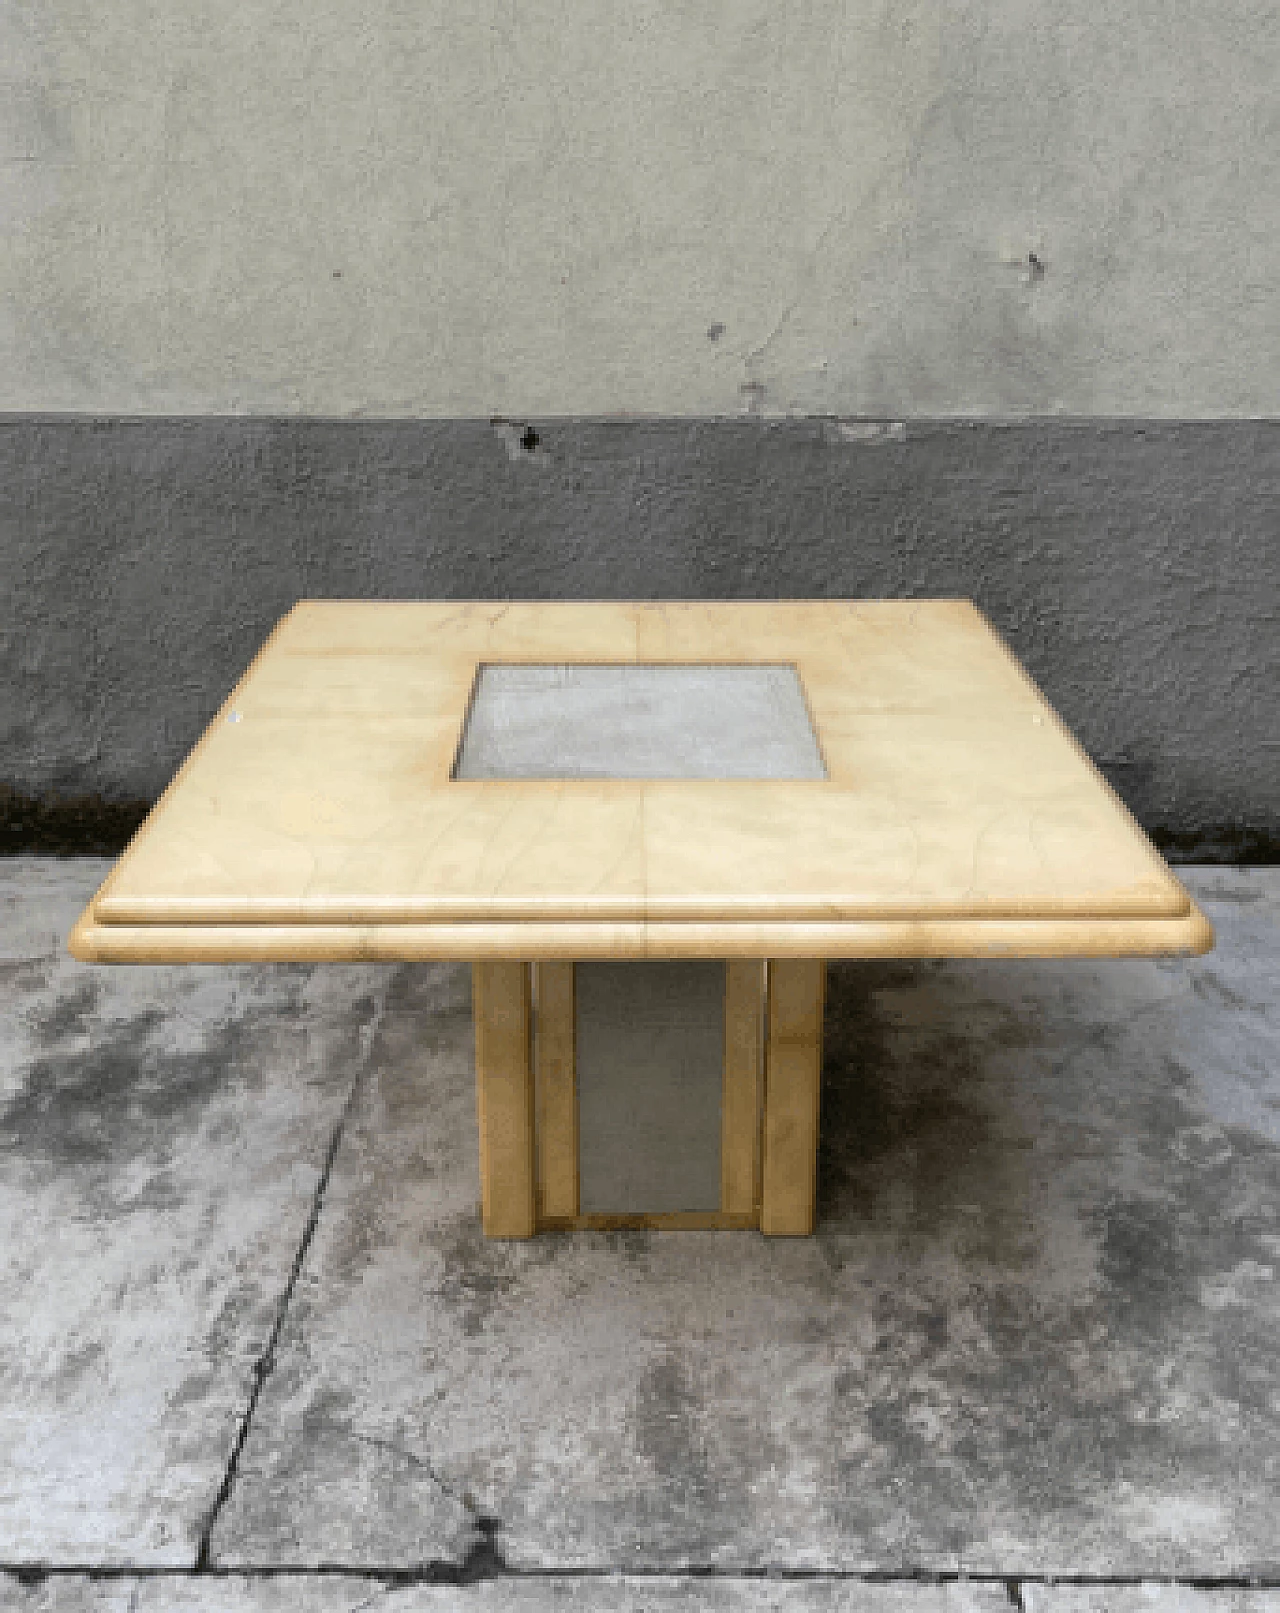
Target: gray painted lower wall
[{"x": 1133, "y": 566}]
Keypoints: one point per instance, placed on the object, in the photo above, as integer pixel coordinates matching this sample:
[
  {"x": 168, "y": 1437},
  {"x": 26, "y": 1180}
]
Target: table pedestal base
[{"x": 648, "y": 1094}]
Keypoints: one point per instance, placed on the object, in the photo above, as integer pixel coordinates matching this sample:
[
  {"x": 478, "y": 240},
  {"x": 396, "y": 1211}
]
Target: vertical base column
[
  {"x": 740, "y": 1104},
  {"x": 529, "y": 1166},
  {"x": 792, "y": 1081},
  {"x": 504, "y": 1097}
]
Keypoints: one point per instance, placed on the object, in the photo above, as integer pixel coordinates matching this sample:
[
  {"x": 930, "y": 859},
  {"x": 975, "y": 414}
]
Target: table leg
[
  {"x": 793, "y": 1073},
  {"x": 744, "y": 1012},
  {"x": 504, "y": 1097}
]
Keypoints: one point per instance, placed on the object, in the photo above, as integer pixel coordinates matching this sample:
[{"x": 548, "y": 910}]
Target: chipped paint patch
[
  {"x": 865, "y": 431},
  {"x": 522, "y": 441}
]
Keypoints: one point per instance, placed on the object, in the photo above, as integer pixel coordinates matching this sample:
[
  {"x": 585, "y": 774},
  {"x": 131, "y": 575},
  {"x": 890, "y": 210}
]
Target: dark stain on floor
[
  {"x": 25, "y": 974},
  {"x": 997, "y": 1392},
  {"x": 102, "y": 1093},
  {"x": 107, "y": 1102},
  {"x": 907, "y": 1104},
  {"x": 666, "y": 1426},
  {"x": 70, "y": 1014}
]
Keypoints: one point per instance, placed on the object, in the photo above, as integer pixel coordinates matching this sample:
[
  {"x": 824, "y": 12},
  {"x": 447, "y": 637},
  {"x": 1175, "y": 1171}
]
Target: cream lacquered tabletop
[{"x": 318, "y": 816}]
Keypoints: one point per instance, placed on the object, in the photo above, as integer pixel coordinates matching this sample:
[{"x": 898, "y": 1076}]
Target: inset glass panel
[
  {"x": 625, "y": 720},
  {"x": 650, "y": 1067}
]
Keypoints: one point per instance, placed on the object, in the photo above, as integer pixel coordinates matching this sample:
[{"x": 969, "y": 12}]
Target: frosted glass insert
[
  {"x": 638, "y": 721},
  {"x": 650, "y": 1061}
]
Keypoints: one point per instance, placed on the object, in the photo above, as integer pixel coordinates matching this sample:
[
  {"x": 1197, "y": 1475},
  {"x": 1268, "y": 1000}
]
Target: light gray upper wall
[{"x": 429, "y": 208}]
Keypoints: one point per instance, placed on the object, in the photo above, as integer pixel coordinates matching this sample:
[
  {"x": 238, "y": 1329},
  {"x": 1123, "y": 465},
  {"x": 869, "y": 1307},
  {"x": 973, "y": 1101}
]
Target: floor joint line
[{"x": 441, "y": 1571}]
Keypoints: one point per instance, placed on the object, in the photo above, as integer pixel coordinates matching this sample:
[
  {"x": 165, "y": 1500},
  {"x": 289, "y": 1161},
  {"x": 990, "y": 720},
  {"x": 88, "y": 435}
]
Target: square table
[{"x": 646, "y": 826}]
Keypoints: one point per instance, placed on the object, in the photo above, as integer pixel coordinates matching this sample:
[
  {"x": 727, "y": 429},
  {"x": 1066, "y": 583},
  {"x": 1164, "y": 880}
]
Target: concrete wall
[
  {"x": 1132, "y": 567},
  {"x": 803, "y": 240},
  {"x": 421, "y": 207}
]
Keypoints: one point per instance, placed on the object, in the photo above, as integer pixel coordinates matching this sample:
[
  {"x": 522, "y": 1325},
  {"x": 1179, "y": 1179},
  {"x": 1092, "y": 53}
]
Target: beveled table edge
[
  {"x": 781, "y": 908},
  {"x": 91, "y": 942},
  {"x": 635, "y": 922}
]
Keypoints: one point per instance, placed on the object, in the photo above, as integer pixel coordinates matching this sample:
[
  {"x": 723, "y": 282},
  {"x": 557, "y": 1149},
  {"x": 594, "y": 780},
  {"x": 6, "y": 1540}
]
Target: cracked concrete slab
[
  {"x": 1034, "y": 1332},
  {"x": 612, "y": 1594},
  {"x": 162, "y": 1132}
]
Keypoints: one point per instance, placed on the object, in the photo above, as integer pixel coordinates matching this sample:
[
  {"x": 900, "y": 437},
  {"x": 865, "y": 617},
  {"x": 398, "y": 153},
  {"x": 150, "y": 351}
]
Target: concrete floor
[{"x": 255, "y": 1354}]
